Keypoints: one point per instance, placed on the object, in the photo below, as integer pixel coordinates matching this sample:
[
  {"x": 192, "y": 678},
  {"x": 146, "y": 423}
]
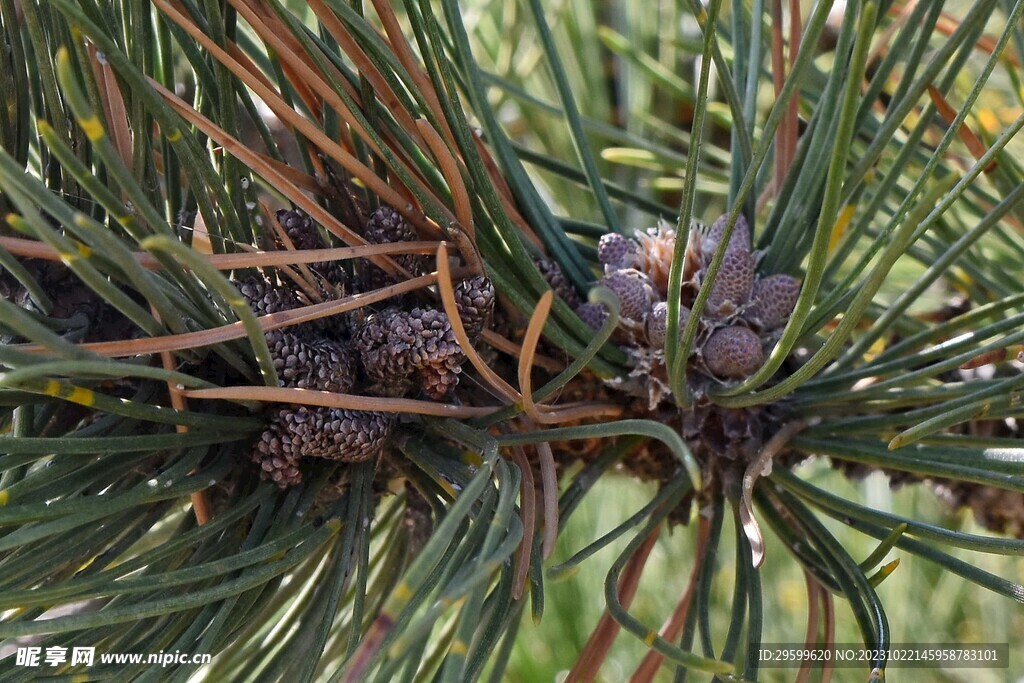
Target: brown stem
[
  {"x": 596, "y": 650},
  {"x": 673, "y": 628}
]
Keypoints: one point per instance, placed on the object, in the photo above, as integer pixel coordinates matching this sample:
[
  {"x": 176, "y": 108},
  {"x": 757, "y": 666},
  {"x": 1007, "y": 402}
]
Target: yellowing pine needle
[
  {"x": 530, "y": 341},
  {"x": 29, "y": 248},
  {"x": 329, "y": 399},
  {"x": 224, "y": 333},
  {"x": 447, "y": 291},
  {"x": 452, "y": 173}
]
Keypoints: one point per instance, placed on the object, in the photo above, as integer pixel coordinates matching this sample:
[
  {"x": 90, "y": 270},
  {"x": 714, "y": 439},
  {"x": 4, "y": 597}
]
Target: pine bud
[
  {"x": 383, "y": 342},
  {"x": 323, "y": 365},
  {"x": 265, "y": 298},
  {"x": 273, "y": 453},
  {"x": 303, "y": 233},
  {"x": 657, "y": 323},
  {"x": 387, "y": 226},
  {"x": 773, "y": 300},
  {"x": 634, "y": 291},
  {"x": 733, "y": 352},
  {"x": 435, "y": 351},
  {"x": 740, "y": 238},
  {"x": 733, "y": 284},
  {"x": 616, "y": 251},
  {"x": 315, "y": 431}
]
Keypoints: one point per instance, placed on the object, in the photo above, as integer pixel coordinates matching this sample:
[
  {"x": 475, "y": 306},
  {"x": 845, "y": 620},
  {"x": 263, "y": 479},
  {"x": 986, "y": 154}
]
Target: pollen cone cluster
[
  {"x": 743, "y": 313},
  {"x": 399, "y": 351}
]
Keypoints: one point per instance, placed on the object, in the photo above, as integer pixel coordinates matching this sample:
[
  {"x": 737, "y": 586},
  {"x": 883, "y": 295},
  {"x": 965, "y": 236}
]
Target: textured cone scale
[
  {"x": 274, "y": 454},
  {"x": 333, "y": 433},
  {"x": 433, "y": 338},
  {"x": 383, "y": 342},
  {"x": 733, "y": 284},
  {"x": 557, "y": 280},
  {"x": 300, "y": 228},
  {"x": 616, "y": 252},
  {"x": 593, "y": 315},
  {"x": 435, "y": 351},
  {"x": 265, "y": 297},
  {"x": 634, "y": 291},
  {"x": 387, "y": 226},
  {"x": 400, "y": 348},
  {"x": 773, "y": 300},
  {"x": 334, "y": 367},
  {"x": 733, "y": 352},
  {"x": 437, "y": 382},
  {"x": 323, "y": 365},
  {"x": 351, "y": 435},
  {"x": 740, "y": 238},
  {"x": 302, "y": 231},
  {"x": 474, "y": 298}
]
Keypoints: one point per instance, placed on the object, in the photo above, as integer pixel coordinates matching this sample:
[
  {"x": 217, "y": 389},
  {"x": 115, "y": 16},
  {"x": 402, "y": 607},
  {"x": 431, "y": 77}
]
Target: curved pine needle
[
  {"x": 811, "y": 633},
  {"x": 447, "y": 292},
  {"x": 564, "y": 412},
  {"x": 585, "y": 410},
  {"x": 618, "y": 610},
  {"x": 596, "y": 650},
  {"x": 533, "y": 333},
  {"x": 673, "y": 627},
  {"x": 549, "y": 488},
  {"x": 648, "y": 428},
  {"x": 879, "y": 553},
  {"x": 511, "y": 348},
  {"x": 528, "y": 515},
  {"x": 572, "y": 564}
]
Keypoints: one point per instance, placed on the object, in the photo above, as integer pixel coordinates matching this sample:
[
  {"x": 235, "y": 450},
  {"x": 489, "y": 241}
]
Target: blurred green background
[{"x": 942, "y": 607}]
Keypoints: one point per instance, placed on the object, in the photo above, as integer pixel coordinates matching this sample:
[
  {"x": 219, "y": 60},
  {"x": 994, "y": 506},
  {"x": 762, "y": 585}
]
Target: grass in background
[{"x": 930, "y": 605}]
